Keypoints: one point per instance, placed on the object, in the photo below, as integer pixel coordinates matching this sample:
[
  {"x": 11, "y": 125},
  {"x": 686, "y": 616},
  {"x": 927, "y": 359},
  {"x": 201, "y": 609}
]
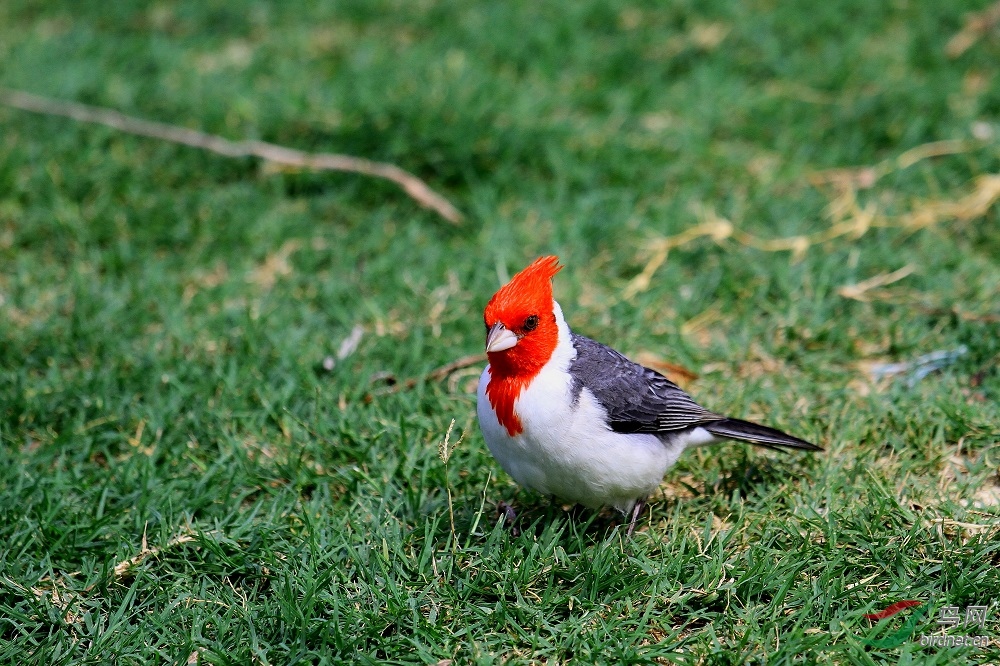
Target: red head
[{"x": 521, "y": 324}]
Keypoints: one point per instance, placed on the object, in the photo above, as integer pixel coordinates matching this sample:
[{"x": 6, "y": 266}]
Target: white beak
[{"x": 499, "y": 338}]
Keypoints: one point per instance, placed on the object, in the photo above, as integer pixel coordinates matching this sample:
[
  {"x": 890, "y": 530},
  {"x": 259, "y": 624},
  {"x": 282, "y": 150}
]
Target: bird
[{"x": 571, "y": 418}]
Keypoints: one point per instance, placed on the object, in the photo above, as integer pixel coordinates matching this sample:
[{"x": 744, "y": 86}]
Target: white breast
[{"x": 566, "y": 449}]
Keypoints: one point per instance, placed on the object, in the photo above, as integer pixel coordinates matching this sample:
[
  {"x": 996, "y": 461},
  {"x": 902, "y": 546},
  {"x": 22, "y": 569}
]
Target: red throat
[
  {"x": 528, "y": 294},
  {"x": 503, "y": 392}
]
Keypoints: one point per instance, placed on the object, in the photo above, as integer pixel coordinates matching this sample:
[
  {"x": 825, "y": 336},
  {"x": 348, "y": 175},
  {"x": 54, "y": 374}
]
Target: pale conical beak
[{"x": 499, "y": 338}]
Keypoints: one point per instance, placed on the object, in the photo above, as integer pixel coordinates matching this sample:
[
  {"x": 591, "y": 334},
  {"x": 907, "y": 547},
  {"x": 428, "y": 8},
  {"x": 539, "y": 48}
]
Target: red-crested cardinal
[{"x": 572, "y": 418}]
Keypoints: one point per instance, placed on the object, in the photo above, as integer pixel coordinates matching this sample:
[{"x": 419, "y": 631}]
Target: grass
[{"x": 184, "y": 482}]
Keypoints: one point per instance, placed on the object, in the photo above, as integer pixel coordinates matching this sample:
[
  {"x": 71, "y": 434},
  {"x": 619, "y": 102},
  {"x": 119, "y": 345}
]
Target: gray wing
[{"x": 637, "y": 399}]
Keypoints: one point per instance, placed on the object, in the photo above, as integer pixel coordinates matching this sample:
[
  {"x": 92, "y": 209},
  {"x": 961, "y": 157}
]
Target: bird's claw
[
  {"x": 636, "y": 512},
  {"x": 509, "y": 516}
]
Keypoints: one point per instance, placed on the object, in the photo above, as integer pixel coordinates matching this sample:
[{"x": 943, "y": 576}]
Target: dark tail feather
[{"x": 757, "y": 434}]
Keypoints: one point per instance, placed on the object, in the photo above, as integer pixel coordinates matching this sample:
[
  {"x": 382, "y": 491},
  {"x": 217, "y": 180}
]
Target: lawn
[{"x": 222, "y": 414}]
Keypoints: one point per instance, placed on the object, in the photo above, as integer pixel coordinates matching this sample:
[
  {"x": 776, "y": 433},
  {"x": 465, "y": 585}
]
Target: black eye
[{"x": 531, "y": 323}]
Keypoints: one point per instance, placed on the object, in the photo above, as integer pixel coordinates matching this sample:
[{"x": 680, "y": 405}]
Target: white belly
[{"x": 566, "y": 450}]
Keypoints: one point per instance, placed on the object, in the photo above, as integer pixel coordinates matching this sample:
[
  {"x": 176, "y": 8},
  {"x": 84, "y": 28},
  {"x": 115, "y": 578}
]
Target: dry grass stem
[
  {"x": 858, "y": 292},
  {"x": 866, "y": 177},
  {"x": 977, "y": 25},
  {"x": 848, "y": 217},
  {"x": 145, "y": 552}
]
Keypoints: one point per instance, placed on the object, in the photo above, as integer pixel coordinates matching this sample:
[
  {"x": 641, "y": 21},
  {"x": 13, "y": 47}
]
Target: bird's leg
[
  {"x": 509, "y": 515},
  {"x": 636, "y": 512}
]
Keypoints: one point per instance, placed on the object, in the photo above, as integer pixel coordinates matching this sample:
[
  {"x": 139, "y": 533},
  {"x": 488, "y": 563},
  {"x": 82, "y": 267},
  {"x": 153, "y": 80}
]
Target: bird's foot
[
  {"x": 510, "y": 517},
  {"x": 636, "y": 512}
]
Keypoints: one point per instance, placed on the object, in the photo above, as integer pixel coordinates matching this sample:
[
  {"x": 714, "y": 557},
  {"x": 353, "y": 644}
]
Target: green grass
[{"x": 161, "y": 365}]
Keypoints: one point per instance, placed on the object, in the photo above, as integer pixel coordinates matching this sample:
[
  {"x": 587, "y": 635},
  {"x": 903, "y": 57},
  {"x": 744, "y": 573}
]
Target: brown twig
[
  {"x": 955, "y": 311},
  {"x": 434, "y": 375},
  {"x": 413, "y": 186},
  {"x": 459, "y": 363}
]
